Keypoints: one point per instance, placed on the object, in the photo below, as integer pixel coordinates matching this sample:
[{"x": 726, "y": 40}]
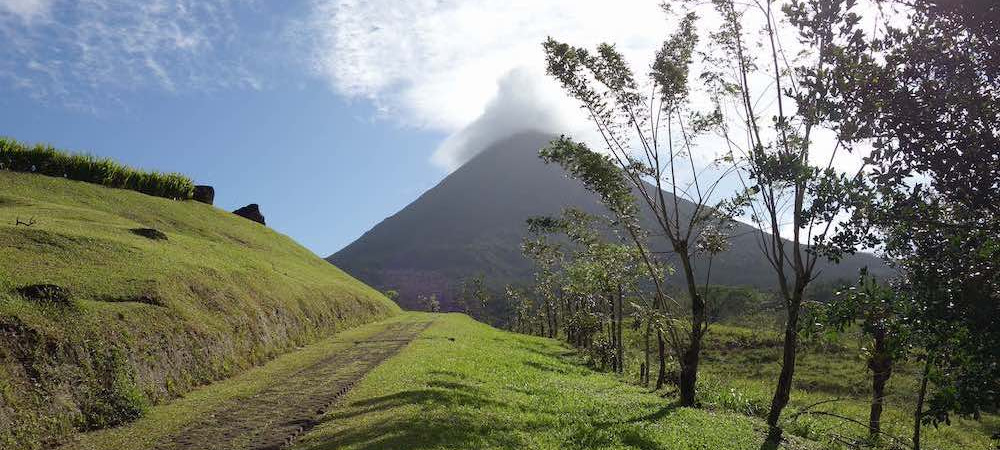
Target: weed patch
[{"x": 45, "y": 160}]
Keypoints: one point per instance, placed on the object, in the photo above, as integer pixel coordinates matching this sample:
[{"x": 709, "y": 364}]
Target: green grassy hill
[{"x": 146, "y": 319}]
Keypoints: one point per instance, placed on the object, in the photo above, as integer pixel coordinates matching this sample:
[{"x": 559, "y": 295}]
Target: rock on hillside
[{"x": 251, "y": 212}]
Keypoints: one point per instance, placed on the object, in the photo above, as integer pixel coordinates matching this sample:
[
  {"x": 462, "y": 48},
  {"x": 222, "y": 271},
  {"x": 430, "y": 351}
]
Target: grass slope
[
  {"x": 467, "y": 385},
  {"x": 149, "y": 319}
]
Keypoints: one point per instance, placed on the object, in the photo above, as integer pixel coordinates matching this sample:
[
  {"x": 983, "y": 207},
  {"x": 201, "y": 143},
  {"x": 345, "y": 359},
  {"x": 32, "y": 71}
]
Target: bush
[{"x": 45, "y": 160}]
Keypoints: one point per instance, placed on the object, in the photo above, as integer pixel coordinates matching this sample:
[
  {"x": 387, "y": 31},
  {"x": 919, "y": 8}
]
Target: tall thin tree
[{"x": 650, "y": 137}]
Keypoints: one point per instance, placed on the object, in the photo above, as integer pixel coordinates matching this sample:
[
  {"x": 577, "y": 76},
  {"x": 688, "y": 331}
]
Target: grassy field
[
  {"x": 741, "y": 364},
  {"x": 463, "y": 384},
  {"x": 146, "y": 319},
  {"x": 467, "y": 385}
]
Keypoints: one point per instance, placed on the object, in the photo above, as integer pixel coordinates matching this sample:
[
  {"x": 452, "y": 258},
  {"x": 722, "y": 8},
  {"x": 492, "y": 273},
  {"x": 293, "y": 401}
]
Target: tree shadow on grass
[
  {"x": 397, "y": 428},
  {"x": 546, "y": 367},
  {"x": 626, "y": 433},
  {"x": 452, "y": 411},
  {"x": 533, "y": 346}
]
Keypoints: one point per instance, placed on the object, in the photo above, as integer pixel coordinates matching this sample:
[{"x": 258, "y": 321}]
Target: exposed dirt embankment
[{"x": 123, "y": 321}]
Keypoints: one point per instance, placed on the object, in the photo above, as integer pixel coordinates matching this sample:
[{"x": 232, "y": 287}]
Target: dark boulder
[
  {"x": 48, "y": 293},
  {"x": 252, "y": 212},
  {"x": 204, "y": 194}
]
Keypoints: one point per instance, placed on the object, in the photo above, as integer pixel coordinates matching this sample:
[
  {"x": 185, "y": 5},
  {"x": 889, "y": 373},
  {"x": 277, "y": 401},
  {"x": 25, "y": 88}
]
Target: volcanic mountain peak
[{"x": 473, "y": 221}]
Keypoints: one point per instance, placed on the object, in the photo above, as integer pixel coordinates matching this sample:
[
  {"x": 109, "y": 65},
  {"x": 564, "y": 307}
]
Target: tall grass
[{"x": 45, "y": 160}]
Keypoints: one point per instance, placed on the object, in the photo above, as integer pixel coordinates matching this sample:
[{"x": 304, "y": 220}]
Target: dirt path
[{"x": 273, "y": 417}]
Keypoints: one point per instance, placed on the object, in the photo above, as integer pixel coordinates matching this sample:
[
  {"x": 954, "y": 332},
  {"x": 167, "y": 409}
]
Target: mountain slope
[
  {"x": 473, "y": 221},
  {"x": 137, "y": 319}
]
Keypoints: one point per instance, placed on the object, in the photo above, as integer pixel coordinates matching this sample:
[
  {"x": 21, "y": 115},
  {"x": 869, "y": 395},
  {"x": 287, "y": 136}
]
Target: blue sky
[
  {"x": 323, "y": 166},
  {"x": 321, "y": 169},
  {"x": 330, "y": 114}
]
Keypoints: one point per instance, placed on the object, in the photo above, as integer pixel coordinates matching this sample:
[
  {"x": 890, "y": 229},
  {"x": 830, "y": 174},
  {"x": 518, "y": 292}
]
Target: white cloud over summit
[
  {"x": 473, "y": 69},
  {"x": 521, "y": 103}
]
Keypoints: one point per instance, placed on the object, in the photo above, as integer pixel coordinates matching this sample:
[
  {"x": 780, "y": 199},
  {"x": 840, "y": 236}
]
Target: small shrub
[
  {"x": 724, "y": 396},
  {"x": 45, "y": 160},
  {"x": 804, "y": 427}
]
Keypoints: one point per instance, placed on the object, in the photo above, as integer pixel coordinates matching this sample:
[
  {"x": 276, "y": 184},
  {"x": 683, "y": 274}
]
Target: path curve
[{"x": 275, "y": 416}]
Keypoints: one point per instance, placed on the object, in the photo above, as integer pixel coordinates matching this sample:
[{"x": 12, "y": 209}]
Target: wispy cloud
[
  {"x": 474, "y": 69},
  {"x": 466, "y": 67},
  {"x": 88, "y": 51},
  {"x": 26, "y": 10}
]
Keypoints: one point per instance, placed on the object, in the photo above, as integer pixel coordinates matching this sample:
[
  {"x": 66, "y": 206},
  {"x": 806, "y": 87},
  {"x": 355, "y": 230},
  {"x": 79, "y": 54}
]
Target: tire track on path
[{"x": 273, "y": 417}]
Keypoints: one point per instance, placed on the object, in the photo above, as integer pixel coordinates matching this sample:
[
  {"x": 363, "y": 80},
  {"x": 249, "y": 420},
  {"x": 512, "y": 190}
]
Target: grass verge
[
  {"x": 166, "y": 420},
  {"x": 467, "y": 385}
]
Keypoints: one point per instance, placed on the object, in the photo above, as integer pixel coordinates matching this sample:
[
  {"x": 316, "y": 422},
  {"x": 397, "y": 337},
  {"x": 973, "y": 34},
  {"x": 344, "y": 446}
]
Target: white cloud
[
  {"x": 474, "y": 69},
  {"x": 468, "y": 67},
  {"x": 86, "y": 52},
  {"x": 523, "y": 101}
]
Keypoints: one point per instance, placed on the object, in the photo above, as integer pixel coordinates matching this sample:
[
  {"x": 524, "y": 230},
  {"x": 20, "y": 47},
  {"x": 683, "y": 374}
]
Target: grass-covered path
[
  {"x": 431, "y": 381},
  {"x": 466, "y": 385},
  {"x": 267, "y": 407}
]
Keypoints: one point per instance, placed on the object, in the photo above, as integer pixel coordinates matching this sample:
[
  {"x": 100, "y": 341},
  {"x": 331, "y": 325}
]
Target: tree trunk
[
  {"x": 689, "y": 373},
  {"x": 613, "y": 333},
  {"x": 620, "y": 337},
  {"x": 881, "y": 366},
  {"x": 555, "y": 321},
  {"x": 692, "y": 355},
  {"x": 784, "y": 388},
  {"x": 570, "y": 335},
  {"x": 549, "y": 319},
  {"x": 644, "y": 372},
  {"x": 661, "y": 377},
  {"x": 918, "y": 414}
]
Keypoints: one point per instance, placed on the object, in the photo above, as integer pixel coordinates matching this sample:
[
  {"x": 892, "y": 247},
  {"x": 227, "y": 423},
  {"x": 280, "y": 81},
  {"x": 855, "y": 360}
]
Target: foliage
[
  {"x": 473, "y": 293},
  {"x": 930, "y": 116},
  {"x": 648, "y": 138},
  {"x": 46, "y": 160},
  {"x": 429, "y": 302}
]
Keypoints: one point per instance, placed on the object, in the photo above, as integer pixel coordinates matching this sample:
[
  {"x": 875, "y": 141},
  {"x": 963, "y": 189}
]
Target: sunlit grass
[{"x": 467, "y": 385}]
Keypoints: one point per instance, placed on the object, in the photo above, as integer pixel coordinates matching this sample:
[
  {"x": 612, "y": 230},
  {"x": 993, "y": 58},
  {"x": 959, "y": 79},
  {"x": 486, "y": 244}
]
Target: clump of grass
[{"x": 46, "y": 160}]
